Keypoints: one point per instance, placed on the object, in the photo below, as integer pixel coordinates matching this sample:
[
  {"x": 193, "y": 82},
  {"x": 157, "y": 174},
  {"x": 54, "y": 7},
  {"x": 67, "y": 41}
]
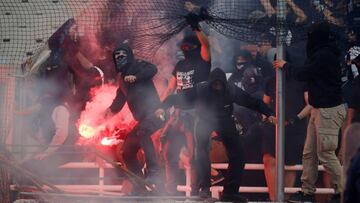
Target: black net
[{"x": 27, "y": 25}]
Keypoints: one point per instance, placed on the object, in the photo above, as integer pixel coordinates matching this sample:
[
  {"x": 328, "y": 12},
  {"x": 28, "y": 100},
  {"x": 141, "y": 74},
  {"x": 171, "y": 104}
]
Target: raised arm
[
  {"x": 301, "y": 16},
  {"x": 269, "y": 9},
  {"x": 205, "y": 45},
  {"x": 193, "y": 19}
]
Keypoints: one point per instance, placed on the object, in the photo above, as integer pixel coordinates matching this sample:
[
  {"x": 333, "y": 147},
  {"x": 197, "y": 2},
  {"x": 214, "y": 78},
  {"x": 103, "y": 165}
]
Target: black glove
[
  {"x": 193, "y": 20},
  {"x": 294, "y": 120}
]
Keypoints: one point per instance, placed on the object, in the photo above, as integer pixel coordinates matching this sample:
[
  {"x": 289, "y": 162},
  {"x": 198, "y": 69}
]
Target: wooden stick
[
  {"x": 12, "y": 164},
  {"x": 136, "y": 179},
  {"x": 13, "y": 169}
]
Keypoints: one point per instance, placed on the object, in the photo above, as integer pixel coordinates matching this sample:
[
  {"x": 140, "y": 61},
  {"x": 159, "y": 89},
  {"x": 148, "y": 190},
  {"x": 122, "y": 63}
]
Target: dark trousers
[
  {"x": 140, "y": 138},
  {"x": 226, "y": 129},
  {"x": 174, "y": 142},
  {"x": 175, "y": 139}
]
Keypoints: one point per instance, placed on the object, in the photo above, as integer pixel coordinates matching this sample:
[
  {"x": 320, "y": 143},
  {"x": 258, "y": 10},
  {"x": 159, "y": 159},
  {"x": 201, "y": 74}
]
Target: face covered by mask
[
  {"x": 241, "y": 65},
  {"x": 191, "y": 47},
  {"x": 121, "y": 58},
  {"x": 242, "y": 60},
  {"x": 190, "y": 50}
]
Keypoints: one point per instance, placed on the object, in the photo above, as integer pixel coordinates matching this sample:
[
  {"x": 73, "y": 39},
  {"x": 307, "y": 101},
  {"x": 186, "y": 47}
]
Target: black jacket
[
  {"x": 141, "y": 96},
  {"x": 212, "y": 105},
  {"x": 322, "y": 70}
]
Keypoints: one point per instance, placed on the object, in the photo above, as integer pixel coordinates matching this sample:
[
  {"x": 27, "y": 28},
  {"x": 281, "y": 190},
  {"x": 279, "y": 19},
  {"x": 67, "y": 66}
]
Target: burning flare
[
  {"x": 87, "y": 131},
  {"x": 110, "y": 141}
]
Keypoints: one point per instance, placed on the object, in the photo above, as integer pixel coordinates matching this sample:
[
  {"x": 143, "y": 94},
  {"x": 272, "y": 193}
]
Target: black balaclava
[
  {"x": 188, "y": 42},
  {"x": 243, "y": 65},
  {"x": 124, "y": 63},
  {"x": 318, "y": 34}
]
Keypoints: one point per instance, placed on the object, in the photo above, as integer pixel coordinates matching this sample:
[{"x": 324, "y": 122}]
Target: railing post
[
  {"x": 280, "y": 103},
  {"x": 101, "y": 179}
]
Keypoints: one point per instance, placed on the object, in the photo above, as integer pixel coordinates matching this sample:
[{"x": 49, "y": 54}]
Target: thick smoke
[
  {"x": 93, "y": 124},
  {"x": 99, "y": 34}
]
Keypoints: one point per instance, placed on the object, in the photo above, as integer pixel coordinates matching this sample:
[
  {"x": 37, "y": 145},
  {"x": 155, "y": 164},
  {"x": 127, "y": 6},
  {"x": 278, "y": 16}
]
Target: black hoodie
[
  {"x": 212, "y": 104},
  {"x": 322, "y": 70},
  {"x": 141, "y": 95}
]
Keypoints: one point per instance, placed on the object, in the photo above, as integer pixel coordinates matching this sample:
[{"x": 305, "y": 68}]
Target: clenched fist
[
  {"x": 279, "y": 64},
  {"x": 130, "y": 78}
]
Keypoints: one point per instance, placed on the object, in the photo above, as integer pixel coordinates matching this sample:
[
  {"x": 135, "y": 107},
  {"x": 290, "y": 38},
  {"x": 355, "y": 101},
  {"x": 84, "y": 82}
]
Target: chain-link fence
[{"x": 32, "y": 30}]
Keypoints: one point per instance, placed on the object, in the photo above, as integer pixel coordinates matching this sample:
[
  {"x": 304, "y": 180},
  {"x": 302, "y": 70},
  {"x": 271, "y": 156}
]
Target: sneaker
[
  {"x": 194, "y": 193},
  {"x": 217, "y": 179},
  {"x": 233, "y": 198},
  {"x": 205, "y": 193},
  {"x": 336, "y": 198},
  {"x": 154, "y": 178},
  {"x": 301, "y": 197}
]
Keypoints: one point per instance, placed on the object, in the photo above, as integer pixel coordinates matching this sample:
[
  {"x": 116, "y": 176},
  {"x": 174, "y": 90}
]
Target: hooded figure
[
  {"x": 241, "y": 62},
  {"x": 138, "y": 90},
  {"x": 214, "y": 101},
  {"x": 322, "y": 70},
  {"x": 123, "y": 57},
  {"x": 245, "y": 75},
  {"x": 319, "y": 35},
  {"x": 217, "y": 95},
  {"x": 134, "y": 92},
  {"x": 322, "y": 74}
]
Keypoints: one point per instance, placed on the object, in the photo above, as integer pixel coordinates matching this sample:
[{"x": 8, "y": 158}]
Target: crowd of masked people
[{"x": 206, "y": 111}]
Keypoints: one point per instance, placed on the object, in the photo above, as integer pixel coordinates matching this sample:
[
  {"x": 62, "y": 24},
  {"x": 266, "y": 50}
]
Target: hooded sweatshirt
[
  {"x": 322, "y": 70},
  {"x": 213, "y": 105},
  {"x": 141, "y": 95}
]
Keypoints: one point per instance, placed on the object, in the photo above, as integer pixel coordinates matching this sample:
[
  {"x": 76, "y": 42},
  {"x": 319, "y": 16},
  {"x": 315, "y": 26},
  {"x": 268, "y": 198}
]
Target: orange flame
[
  {"x": 86, "y": 131},
  {"x": 110, "y": 141}
]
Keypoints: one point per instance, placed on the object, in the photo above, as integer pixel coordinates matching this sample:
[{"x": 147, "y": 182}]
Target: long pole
[{"x": 280, "y": 103}]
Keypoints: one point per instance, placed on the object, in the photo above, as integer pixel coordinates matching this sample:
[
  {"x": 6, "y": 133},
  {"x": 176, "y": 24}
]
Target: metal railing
[{"x": 104, "y": 189}]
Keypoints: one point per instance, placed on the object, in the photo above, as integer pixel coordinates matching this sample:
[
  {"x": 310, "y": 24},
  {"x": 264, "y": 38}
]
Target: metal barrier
[{"x": 101, "y": 188}]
